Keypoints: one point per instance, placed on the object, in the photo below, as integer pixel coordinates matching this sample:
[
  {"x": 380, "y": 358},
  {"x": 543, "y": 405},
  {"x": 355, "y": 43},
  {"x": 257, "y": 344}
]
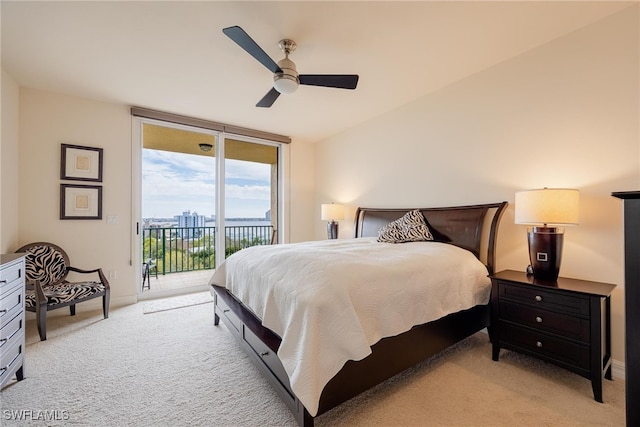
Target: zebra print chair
[{"x": 47, "y": 267}]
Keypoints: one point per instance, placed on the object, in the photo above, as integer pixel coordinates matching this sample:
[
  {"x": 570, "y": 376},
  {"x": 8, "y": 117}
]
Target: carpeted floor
[
  {"x": 175, "y": 368},
  {"x": 164, "y": 304}
]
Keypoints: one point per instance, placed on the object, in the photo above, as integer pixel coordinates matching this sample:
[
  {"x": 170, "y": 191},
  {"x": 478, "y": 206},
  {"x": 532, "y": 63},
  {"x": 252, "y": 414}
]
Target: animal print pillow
[{"x": 412, "y": 227}]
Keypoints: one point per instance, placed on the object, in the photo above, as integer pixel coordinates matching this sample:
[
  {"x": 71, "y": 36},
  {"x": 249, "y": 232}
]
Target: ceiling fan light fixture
[{"x": 285, "y": 83}]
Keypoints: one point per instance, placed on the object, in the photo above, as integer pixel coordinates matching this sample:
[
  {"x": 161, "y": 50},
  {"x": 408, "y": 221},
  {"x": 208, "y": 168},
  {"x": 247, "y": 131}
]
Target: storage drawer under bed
[
  {"x": 268, "y": 357},
  {"x": 231, "y": 319}
]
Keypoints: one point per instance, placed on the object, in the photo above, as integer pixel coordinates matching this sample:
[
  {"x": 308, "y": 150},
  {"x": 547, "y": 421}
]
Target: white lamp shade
[
  {"x": 331, "y": 212},
  {"x": 555, "y": 206}
]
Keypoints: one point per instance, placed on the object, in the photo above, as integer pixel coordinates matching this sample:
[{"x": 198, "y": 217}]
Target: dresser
[
  {"x": 565, "y": 322},
  {"x": 12, "y": 321},
  {"x": 631, "y": 303}
]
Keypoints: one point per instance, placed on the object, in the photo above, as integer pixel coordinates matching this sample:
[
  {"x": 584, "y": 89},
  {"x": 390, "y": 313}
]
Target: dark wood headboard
[{"x": 466, "y": 226}]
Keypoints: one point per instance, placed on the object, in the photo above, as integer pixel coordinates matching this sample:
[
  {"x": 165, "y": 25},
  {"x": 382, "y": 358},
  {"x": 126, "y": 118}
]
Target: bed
[{"x": 466, "y": 231}]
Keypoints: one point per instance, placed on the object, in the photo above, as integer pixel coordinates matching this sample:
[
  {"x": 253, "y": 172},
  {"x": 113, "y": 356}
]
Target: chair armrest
[{"x": 103, "y": 278}]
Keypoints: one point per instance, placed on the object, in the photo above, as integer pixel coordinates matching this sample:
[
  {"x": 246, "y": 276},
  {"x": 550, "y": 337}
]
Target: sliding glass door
[
  {"x": 202, "y": 195},
  {"x": 250, "y": 194}
]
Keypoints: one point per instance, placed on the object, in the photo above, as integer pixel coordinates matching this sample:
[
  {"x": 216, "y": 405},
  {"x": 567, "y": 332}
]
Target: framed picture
[
  {"x": 81, "y": 163},
  {"x": 80, "y": 201}
]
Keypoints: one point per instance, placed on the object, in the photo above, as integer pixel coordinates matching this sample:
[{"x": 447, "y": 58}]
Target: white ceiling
[{"x": 173, "y": 56}]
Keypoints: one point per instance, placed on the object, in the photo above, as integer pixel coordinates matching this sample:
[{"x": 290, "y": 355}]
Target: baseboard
[
  {"x": 167, "y": 293},
  {"x": 87, "y": 306},
  {"x": 618, "y": 370}
]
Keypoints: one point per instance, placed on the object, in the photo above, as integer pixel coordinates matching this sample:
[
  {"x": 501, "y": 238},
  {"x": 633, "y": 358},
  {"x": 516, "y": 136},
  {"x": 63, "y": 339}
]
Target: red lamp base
[{"x": 545, "y": 251}]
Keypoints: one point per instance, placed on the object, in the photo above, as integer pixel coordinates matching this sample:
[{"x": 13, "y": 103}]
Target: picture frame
[
  {"x": 80, "y": 163},
  {"x": 80, "y": 201}
]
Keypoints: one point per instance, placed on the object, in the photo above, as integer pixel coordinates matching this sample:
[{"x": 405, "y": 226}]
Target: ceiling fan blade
[
  {"x": 243, "y": 40},
  {"x": 341, "y": 81},
  {"x": 268, "y": 100}
]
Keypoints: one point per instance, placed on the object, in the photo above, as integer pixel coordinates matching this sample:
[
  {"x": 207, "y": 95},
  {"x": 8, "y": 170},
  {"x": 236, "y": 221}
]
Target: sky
[{"x": 173, "y": 183}]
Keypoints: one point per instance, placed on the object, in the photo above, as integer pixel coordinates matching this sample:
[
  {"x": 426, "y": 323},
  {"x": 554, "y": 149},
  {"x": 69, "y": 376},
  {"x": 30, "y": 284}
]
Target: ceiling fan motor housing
[{"x": 287, "y": 81}]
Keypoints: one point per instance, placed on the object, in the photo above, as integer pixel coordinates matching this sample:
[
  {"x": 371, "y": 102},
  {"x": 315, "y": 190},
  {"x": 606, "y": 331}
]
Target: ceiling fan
[{"x": 285, "y": 77}]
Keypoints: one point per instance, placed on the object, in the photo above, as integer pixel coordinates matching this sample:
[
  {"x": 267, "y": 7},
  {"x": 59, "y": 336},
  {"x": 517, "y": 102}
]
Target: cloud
[{"x": 175, "y": 182}]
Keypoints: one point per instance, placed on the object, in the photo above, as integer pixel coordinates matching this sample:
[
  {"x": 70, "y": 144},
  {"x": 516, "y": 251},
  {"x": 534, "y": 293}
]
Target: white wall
[
  {"x": 562, "y": 115},
  {"x": 47, "y": 120},
  {"x": 8, "y": 164},
  {"x": 300, "y": 212}
]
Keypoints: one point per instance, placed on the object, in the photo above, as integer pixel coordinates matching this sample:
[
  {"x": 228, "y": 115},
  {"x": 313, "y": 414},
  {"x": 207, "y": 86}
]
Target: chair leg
[
  {"x": 105, "y": 304},
  {"x": 41, "y": 317},
  {"x": 72, "y": 309}
]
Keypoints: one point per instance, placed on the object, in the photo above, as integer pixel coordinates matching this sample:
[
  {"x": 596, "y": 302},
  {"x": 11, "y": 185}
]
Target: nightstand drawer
[
  {"x": 561, "y": 324},
  {"x": 545, "y": 345},
  {"x": 549, "y": 300}
]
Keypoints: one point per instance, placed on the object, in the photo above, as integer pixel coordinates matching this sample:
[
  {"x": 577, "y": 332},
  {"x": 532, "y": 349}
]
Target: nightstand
[{"x": 565, "y": 322}]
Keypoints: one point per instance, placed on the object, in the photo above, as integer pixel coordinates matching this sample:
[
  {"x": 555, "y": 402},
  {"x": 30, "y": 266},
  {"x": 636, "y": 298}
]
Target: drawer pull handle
[
  {"x": 3, "y": 340},
  {"x": 539, "y": 344},
  {"x": 539, "y": 319},
  {"x": 538, "y": 298},
  {"x": 3, "y": 281},
  {"x": 263, "y": 354},
  {"x": 225, "y": 311},
  {"x": 3, "y": 311}
]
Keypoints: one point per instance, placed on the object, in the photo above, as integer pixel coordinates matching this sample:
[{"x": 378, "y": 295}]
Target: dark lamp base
[
  {"x": 545, "y": 252},
  {"x": 332, "y": 230}
]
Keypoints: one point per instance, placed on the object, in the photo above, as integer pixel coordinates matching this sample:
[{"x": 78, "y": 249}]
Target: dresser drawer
[
  {"x": 11, "y": 332},
  {"x": 10, "y": 360},
  {"x": 546, "y": 299},
  {"x": 10, "y": 276},
  {"x": 577, "y": 328},
  {"x": 11, "y": 303},
  {"x": 544, "y": 345}
]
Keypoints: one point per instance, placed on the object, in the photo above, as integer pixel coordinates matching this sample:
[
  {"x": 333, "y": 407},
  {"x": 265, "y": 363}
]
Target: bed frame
[{"x": 471, "y": 227}]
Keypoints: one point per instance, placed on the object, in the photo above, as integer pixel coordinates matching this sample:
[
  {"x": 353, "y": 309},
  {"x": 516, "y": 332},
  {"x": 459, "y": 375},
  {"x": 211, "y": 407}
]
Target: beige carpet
[
  {"x": 175, "y": 368},
  {"x": 164, "y": 304}
]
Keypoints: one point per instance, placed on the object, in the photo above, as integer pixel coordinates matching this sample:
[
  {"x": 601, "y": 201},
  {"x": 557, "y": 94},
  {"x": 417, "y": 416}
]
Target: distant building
[
  {"x": 267, "y": 215},
  {"x": 189, "y": 225}
]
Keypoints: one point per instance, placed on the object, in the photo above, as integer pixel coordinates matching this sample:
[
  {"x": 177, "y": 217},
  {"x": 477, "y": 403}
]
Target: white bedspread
[{"x": 331, "y": 300}]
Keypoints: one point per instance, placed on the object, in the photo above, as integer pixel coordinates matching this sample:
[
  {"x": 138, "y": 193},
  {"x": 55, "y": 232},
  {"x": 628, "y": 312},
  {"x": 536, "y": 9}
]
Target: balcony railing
[{"x": 181, "y": 249}]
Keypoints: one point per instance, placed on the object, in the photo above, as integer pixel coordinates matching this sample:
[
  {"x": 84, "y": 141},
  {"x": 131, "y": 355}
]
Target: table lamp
[
  {"x": 545, "y": 209},
  {"x": 332, "y": 212}
]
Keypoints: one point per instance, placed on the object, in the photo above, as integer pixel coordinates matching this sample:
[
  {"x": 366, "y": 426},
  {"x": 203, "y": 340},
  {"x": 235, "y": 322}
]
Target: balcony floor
[{"x": 176, "y": 284}]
